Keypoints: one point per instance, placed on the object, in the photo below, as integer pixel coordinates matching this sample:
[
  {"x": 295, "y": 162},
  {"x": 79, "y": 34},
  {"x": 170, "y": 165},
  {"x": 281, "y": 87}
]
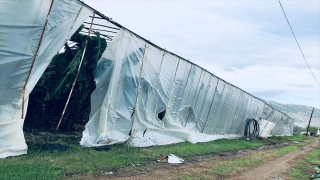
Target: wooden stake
[
  {"x": 75, "y": 79},
  {"x": 34, "y": 60}
]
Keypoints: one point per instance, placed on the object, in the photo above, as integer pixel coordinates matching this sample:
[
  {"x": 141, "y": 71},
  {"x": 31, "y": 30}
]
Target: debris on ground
[
  {"x": 295, "y": 142},
  {"x": 316, "y": 176},
  {"x": 170, "y": 158},
  {"x": 162, "y": 158},
  {"x": 108, "y": 173}
]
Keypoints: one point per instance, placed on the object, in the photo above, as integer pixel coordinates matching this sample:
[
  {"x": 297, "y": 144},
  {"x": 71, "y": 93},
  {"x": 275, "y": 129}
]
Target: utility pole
[{"x": 309, "y": 122}]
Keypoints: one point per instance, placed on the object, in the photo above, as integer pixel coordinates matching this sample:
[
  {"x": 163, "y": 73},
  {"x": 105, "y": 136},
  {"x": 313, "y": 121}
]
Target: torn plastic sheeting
[
  {"x": 174, "y": 159},
  {"x": 266, "y": 127},
  {"x": 170, "y": 158},
  {"x": 168, "y": 95},
  {"x": 22, "y": 23}
]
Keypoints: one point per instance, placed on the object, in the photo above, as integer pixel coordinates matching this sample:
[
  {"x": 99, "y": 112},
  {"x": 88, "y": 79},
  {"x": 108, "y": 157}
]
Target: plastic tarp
[
  {"x": 265, "y": 127},
  {"x": 21, "y": 26},
  {"x": 148, "y": 96}
]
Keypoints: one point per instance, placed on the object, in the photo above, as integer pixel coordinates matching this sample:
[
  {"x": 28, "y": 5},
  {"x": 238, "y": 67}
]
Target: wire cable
[{"x": 298, "y": 43}]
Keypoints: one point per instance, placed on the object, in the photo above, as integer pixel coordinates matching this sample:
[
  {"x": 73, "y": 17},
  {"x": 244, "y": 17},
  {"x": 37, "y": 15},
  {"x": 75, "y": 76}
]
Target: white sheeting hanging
[
  {"x": 151, "y": 97},
  {"x": 21, "y": 25}
]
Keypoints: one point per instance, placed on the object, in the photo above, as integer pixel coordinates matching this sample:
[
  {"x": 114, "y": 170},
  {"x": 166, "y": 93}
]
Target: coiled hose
[{"x": 247, "y": 128}]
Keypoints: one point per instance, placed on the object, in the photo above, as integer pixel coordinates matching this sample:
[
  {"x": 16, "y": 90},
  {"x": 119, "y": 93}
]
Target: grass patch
[
  {"x": 41, "y": 164},
  {"x": 296, "y": 137},
  {"x": 304, "y": 168},
  {"x": 229, "y": 168}
]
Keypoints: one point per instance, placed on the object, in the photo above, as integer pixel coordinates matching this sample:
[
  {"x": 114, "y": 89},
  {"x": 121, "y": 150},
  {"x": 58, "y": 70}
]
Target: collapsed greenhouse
[{"x": 144, "y": 95}]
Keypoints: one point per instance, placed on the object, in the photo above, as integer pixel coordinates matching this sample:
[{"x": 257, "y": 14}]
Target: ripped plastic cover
[
  {"x": 21, "y": 26},
  {"x": 147, "y": 96}
]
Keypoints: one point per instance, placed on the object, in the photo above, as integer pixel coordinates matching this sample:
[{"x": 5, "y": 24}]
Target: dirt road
[{"x": 276, "y": 169}]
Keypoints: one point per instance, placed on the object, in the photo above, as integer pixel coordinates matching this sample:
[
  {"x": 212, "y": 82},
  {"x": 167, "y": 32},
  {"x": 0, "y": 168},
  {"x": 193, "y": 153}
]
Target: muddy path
[
  {"x": 196, "y": 165},
  {"x": 277, "y": 168}
]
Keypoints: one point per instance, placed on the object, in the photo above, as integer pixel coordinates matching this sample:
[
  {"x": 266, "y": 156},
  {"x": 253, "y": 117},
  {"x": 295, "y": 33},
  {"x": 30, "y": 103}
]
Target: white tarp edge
[{"x": 21, "y": 25}]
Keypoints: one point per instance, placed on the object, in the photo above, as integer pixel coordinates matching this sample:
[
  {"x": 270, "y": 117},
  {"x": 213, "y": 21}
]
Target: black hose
[{"x": 256, "y": 129}]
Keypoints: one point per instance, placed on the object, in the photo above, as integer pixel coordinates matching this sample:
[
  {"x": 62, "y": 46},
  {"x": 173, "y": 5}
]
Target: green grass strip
[
  {"x": 39, "y": 164},
  {"x": 305, "y": 167}
]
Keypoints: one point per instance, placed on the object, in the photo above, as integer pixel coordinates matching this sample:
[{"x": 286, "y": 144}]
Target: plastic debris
[
  {"x": 315, "y": 176},
  {"x": 162, "y": 158},
  {"x": 174, "y": 159},
  {"x": 170, "y": 158},
  {"x": 108, "y": 173}
]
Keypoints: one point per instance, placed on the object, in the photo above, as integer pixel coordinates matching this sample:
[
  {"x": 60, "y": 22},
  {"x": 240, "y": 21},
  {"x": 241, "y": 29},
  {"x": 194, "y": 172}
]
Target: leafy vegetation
[
  {"x": 313, "y": 129},
  {"x": 49, "y": 96}
]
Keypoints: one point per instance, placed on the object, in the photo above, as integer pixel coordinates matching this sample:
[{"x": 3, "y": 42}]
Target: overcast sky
[{"x": 247, "y": 43}]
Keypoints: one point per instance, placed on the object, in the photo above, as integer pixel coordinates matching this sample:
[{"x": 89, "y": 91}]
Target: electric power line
[{"x": 298, "y": 44}]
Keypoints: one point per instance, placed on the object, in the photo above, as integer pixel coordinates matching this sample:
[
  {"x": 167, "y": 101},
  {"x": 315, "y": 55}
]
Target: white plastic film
[
  {"x": 206, "y": 106},
  {"x": 238, "y": 95},
  {"x": 211, "y": 120},
  {"x": 265, "y": 128},
  {"x": 21, "y": 26},
  {"x": 148, "y": 96}
]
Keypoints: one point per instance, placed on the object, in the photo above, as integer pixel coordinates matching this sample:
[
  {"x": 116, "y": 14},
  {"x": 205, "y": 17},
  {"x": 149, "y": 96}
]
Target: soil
[{"x": 274, "y": 169}]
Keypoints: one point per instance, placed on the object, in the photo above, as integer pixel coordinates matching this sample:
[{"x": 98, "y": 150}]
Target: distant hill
[{"x": 301, "y": 114}]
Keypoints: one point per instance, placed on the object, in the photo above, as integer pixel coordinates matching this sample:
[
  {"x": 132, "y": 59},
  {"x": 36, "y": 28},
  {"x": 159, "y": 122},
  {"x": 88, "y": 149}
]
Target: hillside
[{"x": 300, "y": 113}]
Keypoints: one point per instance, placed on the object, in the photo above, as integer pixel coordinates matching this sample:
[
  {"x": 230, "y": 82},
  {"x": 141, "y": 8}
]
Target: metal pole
[
  {"x": 210, "y": 106},
  {"x": 184, "y": 73},
  {"x": 194, "y": 98},
  {"x": 169, "y": 95},
  {"x": 239, "y": 99},
  {"x": 34, "y": 59},
  {"x": 75, "y": 79},
  {"x": 138, "y": 88},
  {"x": 309, "y": 122},
  {"x": 184, "y": 90},
  {"x": 156, "y": 80},
  {"x": 203, "y": 102},
  {"x": 224, "y": 85}
]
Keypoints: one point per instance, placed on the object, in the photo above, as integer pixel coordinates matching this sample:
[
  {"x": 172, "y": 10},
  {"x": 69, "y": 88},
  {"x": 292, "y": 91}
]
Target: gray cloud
[
  {"x": 267, "y": 94},
  {"x": 301, "y": 85}
]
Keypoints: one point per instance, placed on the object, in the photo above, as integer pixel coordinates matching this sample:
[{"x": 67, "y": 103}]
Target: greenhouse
[{"x": 144, "y": 95}]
